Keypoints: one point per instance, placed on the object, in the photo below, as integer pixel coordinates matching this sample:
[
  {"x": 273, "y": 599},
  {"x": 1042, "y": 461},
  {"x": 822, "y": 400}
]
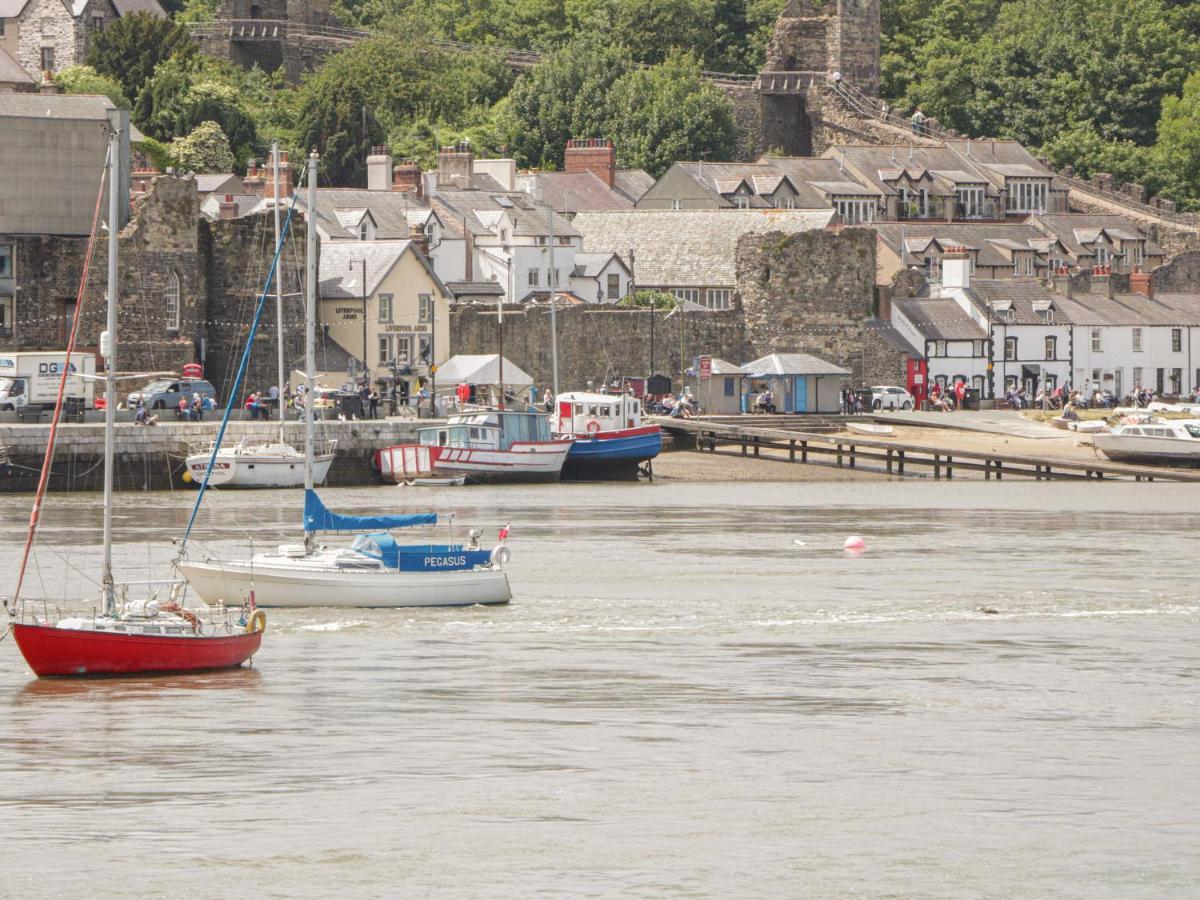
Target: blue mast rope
[{"x": 237, "y": 380}]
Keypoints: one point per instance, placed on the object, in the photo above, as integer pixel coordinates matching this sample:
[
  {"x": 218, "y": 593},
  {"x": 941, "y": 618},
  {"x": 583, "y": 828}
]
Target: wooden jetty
[{"x": 902, "y": 459}]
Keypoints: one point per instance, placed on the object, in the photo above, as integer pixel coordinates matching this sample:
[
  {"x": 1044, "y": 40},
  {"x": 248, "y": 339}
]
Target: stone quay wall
[
  {"x": 152, "y": 458},
  {"x": 598, "y": 344}
]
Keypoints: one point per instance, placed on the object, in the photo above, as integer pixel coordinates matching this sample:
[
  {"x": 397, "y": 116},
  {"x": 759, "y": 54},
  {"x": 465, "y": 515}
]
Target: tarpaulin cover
[{"x": 318, "y": 518}]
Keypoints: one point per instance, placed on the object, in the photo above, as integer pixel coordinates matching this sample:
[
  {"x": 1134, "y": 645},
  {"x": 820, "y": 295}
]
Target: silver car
[{"x": 891, "y": 397}]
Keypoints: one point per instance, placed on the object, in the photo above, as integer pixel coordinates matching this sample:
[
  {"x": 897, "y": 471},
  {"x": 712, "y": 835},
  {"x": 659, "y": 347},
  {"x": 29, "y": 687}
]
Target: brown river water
[{"x": 681, "y": 701}]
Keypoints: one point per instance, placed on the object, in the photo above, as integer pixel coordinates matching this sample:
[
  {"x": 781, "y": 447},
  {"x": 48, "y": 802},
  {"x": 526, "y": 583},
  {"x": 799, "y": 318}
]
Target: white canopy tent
[{"x": 484, "y": 373}]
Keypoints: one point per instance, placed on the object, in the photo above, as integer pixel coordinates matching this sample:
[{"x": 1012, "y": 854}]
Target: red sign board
[{"x": 706, "y": 367}]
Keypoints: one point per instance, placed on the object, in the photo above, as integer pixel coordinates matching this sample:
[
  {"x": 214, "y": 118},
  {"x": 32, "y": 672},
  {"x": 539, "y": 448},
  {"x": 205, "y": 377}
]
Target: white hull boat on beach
[
  {"x": 1174, "y": 442},
  {"x": 869, "y": 429},
  {"x": 275, "y": 465}
]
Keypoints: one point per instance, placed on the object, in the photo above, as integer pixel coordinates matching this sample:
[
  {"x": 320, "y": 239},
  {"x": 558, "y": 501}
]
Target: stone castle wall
[
  {"x": 814, "y": 292},
  {"x": 597, "y": 344}
]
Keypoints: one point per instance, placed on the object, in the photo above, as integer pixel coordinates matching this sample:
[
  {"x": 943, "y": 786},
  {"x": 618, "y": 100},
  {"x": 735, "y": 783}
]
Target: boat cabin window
[
  {"x": 579, "y": 409},
  {"x": 151, "y": 629},
  {"x": 459, "y": 437},
  {"x": 364, "y": 543},
  {"x": 520, "y": 428},
  {"x": 606, "y": 411},
  {"x": 1193, "y": 430},
  {"x": 476, "y": 433}
]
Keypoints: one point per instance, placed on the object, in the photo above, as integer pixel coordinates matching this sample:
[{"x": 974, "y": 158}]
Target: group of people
[
  {"x": 949, "y": 398},
  {"x": 191, "y": 409},
  {"x": 852, "y": 402},
  {"x": 682, "y": 407}
]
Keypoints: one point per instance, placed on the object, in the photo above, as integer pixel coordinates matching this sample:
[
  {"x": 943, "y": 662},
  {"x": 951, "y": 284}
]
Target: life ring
[
  {"x": 593, "y": 426},
  {"x": 500, "y": 555},
  {"x": 256, "y": 622},
  {"x": 186, "y": 614}
]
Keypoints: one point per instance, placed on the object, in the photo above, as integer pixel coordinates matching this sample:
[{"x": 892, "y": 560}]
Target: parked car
[
  {"x": 889, "y": 397},
  {"x": 166, "y": 394}
]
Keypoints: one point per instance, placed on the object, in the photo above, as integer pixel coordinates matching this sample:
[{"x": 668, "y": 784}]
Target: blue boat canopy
[
  {"x": 418, "y": 558},
  {"x": 318, "y": 518}
]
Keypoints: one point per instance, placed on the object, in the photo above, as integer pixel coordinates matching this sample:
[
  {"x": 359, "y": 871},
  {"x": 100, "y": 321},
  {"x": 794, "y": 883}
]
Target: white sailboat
[
  {"x": 272, "y": 463},
  {"x": 375, "y": 570}
]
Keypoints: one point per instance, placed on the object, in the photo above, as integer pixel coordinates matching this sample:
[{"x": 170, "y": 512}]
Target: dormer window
[
  {"x": 741, "y": 201},
  {"x": 1027, "y": 195},
  {"x": 504, "y": 235},
  {"x": 969, "y": 203},
  {"x": 1048, "y": 318},
  {"x": 364, "y": 230}
]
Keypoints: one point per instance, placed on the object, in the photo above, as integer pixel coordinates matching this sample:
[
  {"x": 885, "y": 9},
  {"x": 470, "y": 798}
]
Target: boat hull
[
  {"x": 295, "y": 587},
  {"x": 613, "y": 454},
  {"x": 539, "y": 461},
  {"x": 1155, "y": 451},
  {"x": 54, "y": 651},
  {"x": 256, "y": 472}
]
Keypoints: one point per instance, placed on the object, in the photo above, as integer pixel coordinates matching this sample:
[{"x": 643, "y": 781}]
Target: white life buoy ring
[
  {"x": 593, "y": 426},
  {"x": 500, "y": 555}
]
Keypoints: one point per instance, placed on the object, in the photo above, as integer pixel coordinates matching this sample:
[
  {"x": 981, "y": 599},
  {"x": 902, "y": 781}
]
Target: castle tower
[{"x": 824, "y": 36}]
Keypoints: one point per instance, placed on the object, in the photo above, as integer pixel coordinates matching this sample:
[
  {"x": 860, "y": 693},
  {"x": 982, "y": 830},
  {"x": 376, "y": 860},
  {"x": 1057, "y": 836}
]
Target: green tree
[
  {"x": 86, "y": 80},
  {"x": 131, "y": 48},
  {"x": 1177, "y": 154},
  {"x": 205, "y": 150},
  {"x": 563, "y": 97},
  {"x": 669, "y": 112},
  {"x": 650, "y": 29}
]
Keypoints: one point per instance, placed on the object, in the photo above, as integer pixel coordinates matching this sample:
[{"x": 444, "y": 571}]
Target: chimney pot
[
  {"x": 1142, "y": 283},
  {"x": 595, "y": 155}
]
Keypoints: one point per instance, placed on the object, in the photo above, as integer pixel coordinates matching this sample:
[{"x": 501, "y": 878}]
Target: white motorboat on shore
[
  {"x": 1151, "y": 440},
  {"x": 267, "y": 465}
]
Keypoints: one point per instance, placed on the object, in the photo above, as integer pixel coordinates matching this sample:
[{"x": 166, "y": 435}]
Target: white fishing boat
[
  {"x": 490, "y": 445},
  {"x": 374, "y": 571},
  {"x": 870, "y": 429},
  {"x": 1151, "y": 440},
  {"x": 269, "y": 465},
  {"x": 435, "y": 481}
]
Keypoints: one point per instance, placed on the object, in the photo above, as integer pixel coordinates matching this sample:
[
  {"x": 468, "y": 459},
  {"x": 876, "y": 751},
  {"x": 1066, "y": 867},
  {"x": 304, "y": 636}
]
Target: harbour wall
[{"x": 152, "y": 458}]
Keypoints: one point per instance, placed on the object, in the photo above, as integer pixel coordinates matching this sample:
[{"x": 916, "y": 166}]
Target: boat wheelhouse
[
  {"x": 1152, "y": 440},
  {"x": 609, "y": 438}
]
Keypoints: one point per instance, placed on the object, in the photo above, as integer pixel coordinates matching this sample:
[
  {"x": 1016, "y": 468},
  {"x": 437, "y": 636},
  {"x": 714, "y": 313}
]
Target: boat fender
[
  {"x": 500, "y": 555},
  {"x": 410, "y": 482},
  {"x": 593, "y": 426},
  {"x": 256, "y": 622}
]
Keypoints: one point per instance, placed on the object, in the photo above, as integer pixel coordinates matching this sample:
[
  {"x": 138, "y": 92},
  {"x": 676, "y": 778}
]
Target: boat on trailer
[{"x": 609, "y": 438}]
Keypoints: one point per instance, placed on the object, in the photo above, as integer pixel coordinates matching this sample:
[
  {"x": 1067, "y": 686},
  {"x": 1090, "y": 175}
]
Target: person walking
[
  {"x": 373, "y": 399},
  {"x": 960, "y": 391},
  {"x": 918, "y": 122}
]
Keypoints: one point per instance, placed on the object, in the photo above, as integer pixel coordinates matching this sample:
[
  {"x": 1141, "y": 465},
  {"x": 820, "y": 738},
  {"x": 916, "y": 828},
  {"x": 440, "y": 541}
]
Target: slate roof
[
  {"x": 11, "y": 71},
  {"x": 1025, "y": 296},
  {"x": 225, "y": 184},
  {"x": 576, "y": 191},
  {"x": 1131, "y": 309},
  {"x": 55, "y": 106},
  {"x": 590, "y": 265},
  {"x": 459, "y": 289},
  {"x": 341, "y": 268},
  {"x": 10, "y": 9},
  {"x": 687, "y": 248},
  {"x": 389, "y": 210},
  {"x": 1000, "y": 159},
  {"x": 724, "y": 367},
  {"x": 792, "y": 364},
  {"x": 879, "y": 164},
  {"x": 1070, "y": 227},
  {"x": 940, "y": 319},
  {"x": 632, "y": 183},
  {"x": 530, "y": 218},
  {"x": 993, "y": 241},
  {"x": 125, "y": 7}
]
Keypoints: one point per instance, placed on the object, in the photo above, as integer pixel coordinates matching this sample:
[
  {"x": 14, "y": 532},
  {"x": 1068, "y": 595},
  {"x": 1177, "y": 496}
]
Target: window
[
  {"x": 741, "y": 201},
  {"x": 730, "y": 387},
  {"x": 933, "y": 268},
  {"x": 1177, "y": 381},
  {"x": 552, "y": 277},
  {"x": 1103, "y": 256},
  {"x": 1027, "y": 195},
  {"x": 852, "y": 212},
  {"x": 1048, "y": 316},
  {"x": 532, "y": 277},
  {"x": 1137, "y": 340},
  {"x": 403, "y": 349},
  {"x": 424, "y": 308},
  {"x": 564, "y": 240},
  {"x": 1176, "y": 340},
  {"x": 172, "y": 307},
  {"x": 613, "y": 288},
  {"x": 720, "y": 298},
  {"x": 1137, "y": 377},
  {"x": 786, "y": 201},
  {"x": 688, "y": 295},
  {"x": 676, "y": 204},
  {"x": 1139, "y": 253},
  {"x": 6, "y": 270},
  {"x": 1051, "y": 347},
  {"x": 1096, "y": 375},
  {"x": 423, "y": 349},
  {"x": 364, "y": 230},
  {"x": 385, "y": 349},
  {"x": 504, "y": 235},
  {"x": 6, "y": 316},
  {"x": 939, "y": 348},
  {"x": 47, "y": 59},
  {"x": 970, "y": 203},
  {"x": 97, "y": 23},
  {"x": 385, "y": 307},
  {"x": 1022, "y": 263},
  {"x": 977, "y": 383},
  {"x": 1010, "y": 348},
  {"x": 542, "y": 240},
  {"x": 255, "y": 11},
  {"x": 914, "y": 204},
  {"x": 1096, "y": 340},
  {"x": 979, "y": 348}
]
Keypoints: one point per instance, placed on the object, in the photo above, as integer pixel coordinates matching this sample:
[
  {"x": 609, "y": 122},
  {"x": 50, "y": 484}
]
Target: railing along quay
[{"x": 894, "y": 458}]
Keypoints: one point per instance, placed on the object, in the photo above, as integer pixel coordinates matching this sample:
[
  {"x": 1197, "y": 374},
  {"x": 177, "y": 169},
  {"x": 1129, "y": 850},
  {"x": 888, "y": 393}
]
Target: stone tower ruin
[
  {"x": 292, "y": 35},
  {"x": 813, "y": 39}
]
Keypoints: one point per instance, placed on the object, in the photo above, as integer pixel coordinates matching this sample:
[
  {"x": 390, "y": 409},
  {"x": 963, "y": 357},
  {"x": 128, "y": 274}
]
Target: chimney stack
[
  {"x": 379, "y": 169},
  {"x": 1142, "y": 283},
  {"x": 254, "y": 182},
  {"x": 956, "y": 268},
  {"x": 416, "y": 234},
  {"x": 139, "y": 182},
  {"x": 227, "y": 208},
  {"x": 595, "y": 155},
  {"x": 285, "y": 177},
  {"x": 406, "y": 177},
  {"x": 456, "y": 165}
]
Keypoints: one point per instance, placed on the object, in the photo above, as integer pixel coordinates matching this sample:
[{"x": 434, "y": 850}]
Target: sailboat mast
[
  {"x": 278, "y": 290},
  {"x": 108, "y": 347},
  {"x": 553, "y": 321},
  {"x": 310, "y": 320}
]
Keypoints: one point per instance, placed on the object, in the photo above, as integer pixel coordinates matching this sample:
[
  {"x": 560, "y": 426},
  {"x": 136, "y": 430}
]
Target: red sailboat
[{"x": 140, "y": 636}]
